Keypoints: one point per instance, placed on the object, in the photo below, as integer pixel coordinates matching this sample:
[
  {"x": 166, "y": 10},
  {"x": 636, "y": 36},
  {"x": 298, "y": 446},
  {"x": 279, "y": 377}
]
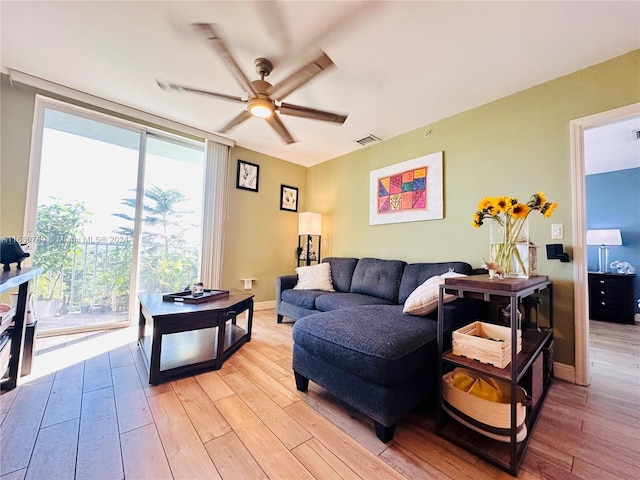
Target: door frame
[{"x": 579, "y": 230}]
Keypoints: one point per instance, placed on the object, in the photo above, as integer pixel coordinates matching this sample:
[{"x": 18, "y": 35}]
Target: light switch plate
[{"x": 557, "y": 232}]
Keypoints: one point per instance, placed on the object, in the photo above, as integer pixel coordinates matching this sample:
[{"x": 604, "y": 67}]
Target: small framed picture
[
  {"x": 288, "y": 198},
  {"x": 247, "y": 176}
]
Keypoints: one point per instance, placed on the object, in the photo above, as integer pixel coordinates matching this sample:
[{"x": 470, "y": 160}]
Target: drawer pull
[
  {"x": 602, "y": 282},
  {"x": 601, "y": 292},
  {"x": 603, "y": 303}
]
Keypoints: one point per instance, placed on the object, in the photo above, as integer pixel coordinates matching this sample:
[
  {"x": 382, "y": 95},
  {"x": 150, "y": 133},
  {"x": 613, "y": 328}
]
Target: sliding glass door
[
  {"x": 118, "y": 211},
  {"x": 171, "y": 227}
]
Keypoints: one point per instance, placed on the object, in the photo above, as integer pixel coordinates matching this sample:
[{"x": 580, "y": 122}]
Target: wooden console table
[
  {"x": 180, "y": 339},
  {"x": 8, "y": 280}
]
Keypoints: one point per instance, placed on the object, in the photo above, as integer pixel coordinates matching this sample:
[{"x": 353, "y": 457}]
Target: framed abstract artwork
[
  {"x": 247, "y": 176},
  {"x": 288, "y": 198},
  {"x": 409, "y": 191}
]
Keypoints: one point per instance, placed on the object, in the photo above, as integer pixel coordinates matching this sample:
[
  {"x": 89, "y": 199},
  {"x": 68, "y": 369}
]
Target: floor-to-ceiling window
[{"x": 118, "y": 212}]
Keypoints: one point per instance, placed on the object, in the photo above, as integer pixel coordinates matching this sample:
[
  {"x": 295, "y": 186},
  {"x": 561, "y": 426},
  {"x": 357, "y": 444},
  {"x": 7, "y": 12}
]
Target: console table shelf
[
  {"x": 8, "y": 280},
  {"x": 530, "y": 368},
  {"x": 532, "y": 343}
]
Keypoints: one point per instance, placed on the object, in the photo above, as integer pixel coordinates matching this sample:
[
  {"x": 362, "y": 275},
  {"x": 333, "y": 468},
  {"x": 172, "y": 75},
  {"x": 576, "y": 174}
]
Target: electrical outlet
[{"x": 557, "y": 232}]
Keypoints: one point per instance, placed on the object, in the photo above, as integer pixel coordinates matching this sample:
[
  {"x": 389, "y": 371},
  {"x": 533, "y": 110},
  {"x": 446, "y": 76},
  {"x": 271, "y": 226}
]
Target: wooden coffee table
[{"x": 178, "y": 339}]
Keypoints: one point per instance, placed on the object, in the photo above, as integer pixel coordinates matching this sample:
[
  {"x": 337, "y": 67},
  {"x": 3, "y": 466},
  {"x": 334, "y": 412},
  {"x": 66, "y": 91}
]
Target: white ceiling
[
  {"x": 401, "y": 65},
  {"x": 612, "y": 147}
]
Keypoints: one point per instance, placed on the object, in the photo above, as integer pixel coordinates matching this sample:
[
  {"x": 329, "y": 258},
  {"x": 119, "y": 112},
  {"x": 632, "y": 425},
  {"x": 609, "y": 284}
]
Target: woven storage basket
[
  {"x": 486, "y": 343},
  {"x": 490, "y": 418}
]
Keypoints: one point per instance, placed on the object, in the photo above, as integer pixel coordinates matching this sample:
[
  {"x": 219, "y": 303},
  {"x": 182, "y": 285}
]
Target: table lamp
[
  {"x": 309, "y": 224},
  {"x": 604, "y": 238}
]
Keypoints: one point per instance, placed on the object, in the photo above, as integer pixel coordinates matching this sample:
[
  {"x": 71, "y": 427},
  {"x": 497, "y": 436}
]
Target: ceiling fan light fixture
[
  {"x": 262, "y": 100},
  {"x": 260, "y": 107}
]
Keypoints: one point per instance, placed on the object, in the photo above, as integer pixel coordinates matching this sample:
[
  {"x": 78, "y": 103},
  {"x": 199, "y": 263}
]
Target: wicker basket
[
  {"x": 491, "y": 418},
  {"x": 486, "y": 343}
]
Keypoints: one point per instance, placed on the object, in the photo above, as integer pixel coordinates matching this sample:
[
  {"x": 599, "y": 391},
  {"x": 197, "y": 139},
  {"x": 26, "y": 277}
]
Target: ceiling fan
[{"x": 263, "y": 99}]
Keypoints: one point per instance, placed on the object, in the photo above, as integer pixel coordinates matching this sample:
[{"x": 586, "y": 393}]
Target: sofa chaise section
[
  {"x": 367, "y": 359},
  {"x": 360, "y": 346}
]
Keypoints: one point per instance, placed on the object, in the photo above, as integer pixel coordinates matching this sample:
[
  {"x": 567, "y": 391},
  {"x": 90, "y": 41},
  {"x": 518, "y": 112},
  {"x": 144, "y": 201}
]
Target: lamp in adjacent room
[
  {"x": 604, "y": 239},
  {"x": 309, "y": 224}
]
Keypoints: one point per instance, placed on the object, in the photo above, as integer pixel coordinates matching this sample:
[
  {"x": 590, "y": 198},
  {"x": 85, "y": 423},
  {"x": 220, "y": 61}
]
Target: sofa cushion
[
  {"x": 339, "y": 300},
  {"x": 424, "y": 299},
  {"x": 341, "y": 272},
  {"x": 378, "y": 278},
  {"x": 376, "y": 342},
  {"x": 314, "y": 277},
  {"x": 415, "y": 274},
  {"x": 302, "y": 298}
]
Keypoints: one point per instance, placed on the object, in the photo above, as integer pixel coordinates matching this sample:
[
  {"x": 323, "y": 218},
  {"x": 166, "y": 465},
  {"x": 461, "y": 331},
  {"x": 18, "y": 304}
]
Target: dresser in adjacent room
[{"x": 611, "y": 297}]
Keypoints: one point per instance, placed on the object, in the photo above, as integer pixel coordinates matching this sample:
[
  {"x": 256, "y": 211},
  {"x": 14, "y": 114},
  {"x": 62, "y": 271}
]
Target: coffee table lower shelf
[
  {"x": 178, "y": 339},
  {"x": 194, "y": 351}
]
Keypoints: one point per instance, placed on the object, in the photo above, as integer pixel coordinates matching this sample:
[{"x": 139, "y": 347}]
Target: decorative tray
[{"x": 189, "y": 297}]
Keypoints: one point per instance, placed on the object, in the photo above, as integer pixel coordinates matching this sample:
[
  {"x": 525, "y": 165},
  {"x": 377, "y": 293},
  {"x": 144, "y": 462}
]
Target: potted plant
[{"x": 59, "y": 227}]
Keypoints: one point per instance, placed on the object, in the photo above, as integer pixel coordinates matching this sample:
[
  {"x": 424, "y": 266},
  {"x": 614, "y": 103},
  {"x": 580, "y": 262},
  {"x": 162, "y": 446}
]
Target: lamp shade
[
  {"x": 604, "y": 237},
  {"x": 309, "y": 223}
]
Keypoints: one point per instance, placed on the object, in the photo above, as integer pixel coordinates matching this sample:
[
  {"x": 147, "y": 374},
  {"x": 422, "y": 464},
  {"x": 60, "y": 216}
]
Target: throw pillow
[
  {"x": 315, "y": 277},
  {"x": 424, "y": 299}
]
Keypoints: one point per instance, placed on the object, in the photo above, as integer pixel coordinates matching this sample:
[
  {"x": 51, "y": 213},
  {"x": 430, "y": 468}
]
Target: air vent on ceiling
[
  {"x": 636, "y": 134},
  {"x": 369, "y": 139}
]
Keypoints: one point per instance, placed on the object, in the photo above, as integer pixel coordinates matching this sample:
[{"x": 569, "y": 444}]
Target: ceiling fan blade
[
  {"x": 300, "y": 77},
  {"x": 237, "y": 120},
  {"x": 165, "y": 85},
  {"x": 218, "y": 44},
  {"x": 305, "y": 112},
  {"x": 278, "y": 126}
]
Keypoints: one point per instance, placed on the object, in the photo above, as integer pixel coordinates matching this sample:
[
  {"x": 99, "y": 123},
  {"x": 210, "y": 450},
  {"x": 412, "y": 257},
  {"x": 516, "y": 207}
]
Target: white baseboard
[
  {"x": 564, "y": 372},
  {"x": 636, "y": 317},
  {"x": 271, "y": 304}
]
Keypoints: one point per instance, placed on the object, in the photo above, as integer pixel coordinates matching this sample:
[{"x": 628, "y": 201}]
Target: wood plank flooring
[{"x": 86, "y": 411}]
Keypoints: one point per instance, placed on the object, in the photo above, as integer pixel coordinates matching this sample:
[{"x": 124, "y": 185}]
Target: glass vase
[{"x": 509, "y": 246}]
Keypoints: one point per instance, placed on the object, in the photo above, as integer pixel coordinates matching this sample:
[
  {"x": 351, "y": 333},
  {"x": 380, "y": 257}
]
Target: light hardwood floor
[{"x": 87, "y": 412}]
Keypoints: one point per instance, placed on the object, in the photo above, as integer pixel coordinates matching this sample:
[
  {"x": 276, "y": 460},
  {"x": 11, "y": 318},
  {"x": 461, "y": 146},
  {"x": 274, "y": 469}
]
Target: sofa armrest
[{"x": 284, "y": 282}]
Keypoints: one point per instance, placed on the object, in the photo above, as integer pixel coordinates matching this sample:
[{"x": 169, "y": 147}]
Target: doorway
[
  {"x": 581, "y": 309},
  {"x": 118, "y": 211}
]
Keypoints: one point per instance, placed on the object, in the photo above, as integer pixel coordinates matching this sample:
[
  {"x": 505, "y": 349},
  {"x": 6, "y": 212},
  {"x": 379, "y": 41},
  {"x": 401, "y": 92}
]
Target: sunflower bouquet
[{"x": 511, "y": 216}]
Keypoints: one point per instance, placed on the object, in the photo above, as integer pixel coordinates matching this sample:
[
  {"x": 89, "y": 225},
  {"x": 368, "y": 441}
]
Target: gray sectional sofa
[{"x": 357, "y": 343}]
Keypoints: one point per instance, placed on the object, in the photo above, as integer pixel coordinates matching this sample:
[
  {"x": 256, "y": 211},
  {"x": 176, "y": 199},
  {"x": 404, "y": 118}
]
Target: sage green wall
[
  {"x": 16, "y": 117},
  {"x": 515, "y": 146},
  {"x": 260, "y": 239}
]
